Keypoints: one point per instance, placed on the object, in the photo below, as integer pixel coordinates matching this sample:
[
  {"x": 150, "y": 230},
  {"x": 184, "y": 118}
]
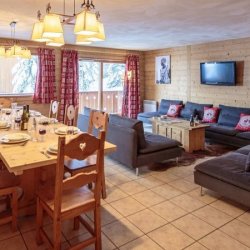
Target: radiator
[{"x": 149, "y": 106}]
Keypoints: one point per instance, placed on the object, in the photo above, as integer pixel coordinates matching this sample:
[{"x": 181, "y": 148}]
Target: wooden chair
[
  {"x": 70, "y": 115},
  {"x": 54, "y": 109},
  {"x": 70, "y": 197},
  {"x": 8, "y": 189},
  {"x": 97, "y": 121}
]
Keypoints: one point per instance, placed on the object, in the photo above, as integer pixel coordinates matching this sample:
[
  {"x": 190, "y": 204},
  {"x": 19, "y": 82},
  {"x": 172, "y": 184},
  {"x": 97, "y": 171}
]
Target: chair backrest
[
  {"x": 54, "y": 109},
  {"x": 97, "y": 120},
  {"x": 5, "y": 102},
  {"x": 78, "y": 148},
  {"x": 70, "y": 115}
]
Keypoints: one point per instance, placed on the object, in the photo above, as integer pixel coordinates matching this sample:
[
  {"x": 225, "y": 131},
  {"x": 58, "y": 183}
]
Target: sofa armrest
[{"x": 127, "y": 145}]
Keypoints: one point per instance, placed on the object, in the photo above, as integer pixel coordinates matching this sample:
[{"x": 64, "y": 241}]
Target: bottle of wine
[
  {"x": 191, "y": 121},
  {"x": 24, "y": 119},
  {"x": 28, "y": 110}
]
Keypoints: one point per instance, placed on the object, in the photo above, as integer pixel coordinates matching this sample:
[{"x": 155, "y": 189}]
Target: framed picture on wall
[{"x": 162, "y": 70}]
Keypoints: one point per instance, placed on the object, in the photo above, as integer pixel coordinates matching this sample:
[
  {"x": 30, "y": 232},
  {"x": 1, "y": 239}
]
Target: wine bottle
[
  {"x": 28, "y": 110},
  {"x": 191, "y": 121},
  {"x": 24, "y": 119}
]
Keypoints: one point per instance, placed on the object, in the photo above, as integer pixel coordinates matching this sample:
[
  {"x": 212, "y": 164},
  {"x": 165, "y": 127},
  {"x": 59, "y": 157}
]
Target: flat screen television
[{"x": 218, "y": 73}]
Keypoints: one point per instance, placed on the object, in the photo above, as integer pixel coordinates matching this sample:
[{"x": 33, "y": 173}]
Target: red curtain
[
  {"x": 45, "y": 86},
  {"x": 131, "y": 104},
  {"x": 69, "y": 90}
]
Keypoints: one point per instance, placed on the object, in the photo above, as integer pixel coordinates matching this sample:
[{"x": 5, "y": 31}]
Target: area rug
[{"x": 187, "y": 159}]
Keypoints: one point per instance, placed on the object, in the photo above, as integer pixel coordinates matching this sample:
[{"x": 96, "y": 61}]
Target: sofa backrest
[
  {"x": 192, "y": 108},
  {"x": 230, "y": 116},
  {"x": 164, "y": 105},
  {"x": 130, "y": 123}
]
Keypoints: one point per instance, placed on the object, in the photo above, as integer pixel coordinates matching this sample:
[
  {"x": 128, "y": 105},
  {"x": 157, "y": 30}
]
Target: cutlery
[{"x": 45, "y": 153}]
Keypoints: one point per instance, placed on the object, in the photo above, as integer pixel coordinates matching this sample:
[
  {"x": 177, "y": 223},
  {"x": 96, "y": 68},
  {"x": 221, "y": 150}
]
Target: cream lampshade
[
  {"x": 2, "y": 51},
  {"x": 86, "y": 23},
  {"x": 100, "y": 36},
  {"x": 26, "y": 53},
  {"x": 57, "y": 42},
  {"x": 37, "y": 33},
  {"x": 82, "y": 40},
  {"x": 16, "y": 50},
  {"x": 52, "y": 26}
]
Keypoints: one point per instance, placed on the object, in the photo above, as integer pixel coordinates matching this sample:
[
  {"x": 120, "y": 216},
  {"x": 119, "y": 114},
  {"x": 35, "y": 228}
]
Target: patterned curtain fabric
[
  {"x": 69, "y": 90},
  {"x": 131, "y": 103},
  {"x": 45, "y": 86}
]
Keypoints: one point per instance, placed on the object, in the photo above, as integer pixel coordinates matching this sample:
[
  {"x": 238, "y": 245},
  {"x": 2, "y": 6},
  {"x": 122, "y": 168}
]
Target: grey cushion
[
  {"x": 164, "y": 105},
  {"x": 244, "y": 150},
  {"x": 148, "y": 114},
  {"x": 157, "y": 142},
  {"x": 194, "y": 109},
  {"x": 220, "y": 129},
  {"x": 230, "y": 116},
  {"x": 229, "y": 168},
  {"x": 244, "y": 135},
  {"x": 130, "y": 123},
  {"x": 247, "y": 166}
]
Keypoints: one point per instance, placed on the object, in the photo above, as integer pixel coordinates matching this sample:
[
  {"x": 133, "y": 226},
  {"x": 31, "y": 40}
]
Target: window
[
  {"x": 17, "y": 75},
  {"x": 101, "y": 85}
]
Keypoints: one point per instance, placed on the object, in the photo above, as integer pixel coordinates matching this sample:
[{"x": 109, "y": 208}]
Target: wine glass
[
  {"x": 8, "y": 113},
  {"x": 17, "y": 120},
  {"x": 42, "y": 132}
]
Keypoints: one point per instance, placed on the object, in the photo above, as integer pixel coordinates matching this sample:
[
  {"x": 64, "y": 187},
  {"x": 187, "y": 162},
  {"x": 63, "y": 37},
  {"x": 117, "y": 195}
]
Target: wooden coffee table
[{"x": 191, "y": 138}]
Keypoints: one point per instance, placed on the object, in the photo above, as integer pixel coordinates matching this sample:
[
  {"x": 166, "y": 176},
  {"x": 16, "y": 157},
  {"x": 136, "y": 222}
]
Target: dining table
[{"x": 32, "y": 161}]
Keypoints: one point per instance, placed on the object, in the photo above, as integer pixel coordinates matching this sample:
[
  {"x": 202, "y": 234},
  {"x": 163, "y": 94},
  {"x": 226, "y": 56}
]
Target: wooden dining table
[{"x": 33, "y": 166}]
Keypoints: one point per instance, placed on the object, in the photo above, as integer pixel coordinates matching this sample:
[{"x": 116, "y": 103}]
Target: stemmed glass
[
  {"x": 8, "y": 113},
  {"x": 42, "y": 132},
  {"x": 17, "y": 120}
]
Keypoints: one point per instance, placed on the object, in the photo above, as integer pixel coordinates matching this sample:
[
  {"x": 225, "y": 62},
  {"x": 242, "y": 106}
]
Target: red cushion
[
  {"x": 174, "y": 110},
  {"x": 210, "y": 115},
  {"x": 244, "y": 122}
]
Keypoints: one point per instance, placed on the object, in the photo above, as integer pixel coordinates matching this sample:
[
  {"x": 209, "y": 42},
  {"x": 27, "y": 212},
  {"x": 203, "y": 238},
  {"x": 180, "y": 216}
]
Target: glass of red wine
[{"x": 42, "y": 133}]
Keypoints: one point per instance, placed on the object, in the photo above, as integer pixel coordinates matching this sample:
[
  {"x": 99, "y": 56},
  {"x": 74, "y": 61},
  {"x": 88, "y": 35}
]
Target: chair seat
[
  {"x": 71, "y": 199},
  {"x": 74, "y": 165},
  {"x": 8, "y": 179}
]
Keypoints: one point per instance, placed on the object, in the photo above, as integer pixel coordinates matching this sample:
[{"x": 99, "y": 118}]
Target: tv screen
[{"x": 218, "y": 73}]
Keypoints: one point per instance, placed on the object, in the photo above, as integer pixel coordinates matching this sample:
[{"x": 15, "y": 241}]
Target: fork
[{"x": 45, "y": 153}]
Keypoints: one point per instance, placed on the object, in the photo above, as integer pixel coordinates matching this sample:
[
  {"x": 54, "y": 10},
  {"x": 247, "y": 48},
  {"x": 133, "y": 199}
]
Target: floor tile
[
  {"x": 110, "y": 171},
  {"x": 183, "y": 185},
  {"x": 118, "y": 179},
  {"x": 114, "y": 194},
  {"x": 193, "y": 226},
  {"x": 106, "y": 243},
  {"x": 149, "y": 181},
  {"x": 132, "y": 187},
  {"x": 207, "y": 197},
  {"x": 238, "y": 230},
  {"x": 212, "y": 216},
  {"x": 181, "y": 171},
  {"x": 231, "y": 208},
  {"x": 187, "y": 202},
  {"x": 165, "y": 176},
  {"x": 170, "y": 237},
  {"x": 167, "y": 191},
  {"x": 146, "y": 220},
  {"x": 168, "y": 211},
  {"x": 121, "y": 232},
  {"x": 141, "y": 243},
  {"x": 196, "y": 246},
  {"x": 220, "y": 241},
  {"x": 148, "y": 198},
  {"x": 127, "y": 206},
  {"x": 245, "y": 218},
  {"x": 6, "y": 232},
  {"x": 14, "y": 243}
]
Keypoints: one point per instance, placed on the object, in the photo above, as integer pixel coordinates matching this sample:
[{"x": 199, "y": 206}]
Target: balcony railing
[{"x": 112, "y": 101}]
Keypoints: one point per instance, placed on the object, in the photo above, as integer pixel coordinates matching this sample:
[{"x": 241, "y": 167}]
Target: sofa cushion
[
  {"x": 244, "y": 150},
  {"x": 157, "y": 142},
  {"x": 174, "y": 110},
  {"x": 230, "y": 116},
  {"x": 194, "y": 109},
  {"x": 210, "y": 115},
  {"x": 244, "y": 123},
  {"x": 247, "y": 165},
  {"x": 130, "y": 123},
  {"x": 229, "y": 168},
  {"x": 244, "y": 135},
  {"x": 148, "y": 114},
  {"x": 222, "y": 129},
  {"x": 164, "y": 105}
]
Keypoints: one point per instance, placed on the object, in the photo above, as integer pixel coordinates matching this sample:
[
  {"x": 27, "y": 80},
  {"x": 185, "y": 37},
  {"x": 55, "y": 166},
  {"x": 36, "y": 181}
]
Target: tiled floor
[{"x": 157, "y": 210}]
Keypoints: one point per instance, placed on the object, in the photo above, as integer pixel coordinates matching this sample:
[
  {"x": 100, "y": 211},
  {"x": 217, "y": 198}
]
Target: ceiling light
[
  {"x": 15, "y": 50},
  {"x": 57, "y": 42},
  {"x": 85, "y": 23}
]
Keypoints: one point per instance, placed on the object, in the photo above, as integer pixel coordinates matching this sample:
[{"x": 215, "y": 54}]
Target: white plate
[
  {"x": 63, "y": 130},
  {"x": 51, "y": 151},
  {"x": 14, "y": 138},
  {"x": 53, "y": 148}
]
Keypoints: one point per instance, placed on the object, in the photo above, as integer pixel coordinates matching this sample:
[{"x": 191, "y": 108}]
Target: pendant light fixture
[
  {"x": 87, "y": 26},
  {"x": 15, "y": 50}
]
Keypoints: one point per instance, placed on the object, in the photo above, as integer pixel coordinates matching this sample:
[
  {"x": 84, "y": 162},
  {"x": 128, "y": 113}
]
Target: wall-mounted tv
[{"x": 218, "y": 73}]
